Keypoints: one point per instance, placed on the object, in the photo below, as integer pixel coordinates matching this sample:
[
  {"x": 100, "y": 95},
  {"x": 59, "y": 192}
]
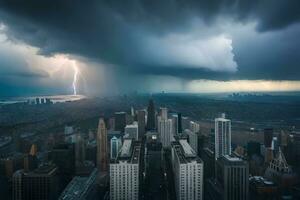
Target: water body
[{"x": 53, "y": 98}]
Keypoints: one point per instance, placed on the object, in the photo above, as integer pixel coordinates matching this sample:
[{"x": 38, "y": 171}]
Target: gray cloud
[{"x": 117, "y": 33}]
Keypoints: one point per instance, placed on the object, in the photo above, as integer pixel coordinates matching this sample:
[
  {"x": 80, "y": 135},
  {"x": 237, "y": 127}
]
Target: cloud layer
[{"x": 188, "y": 39}]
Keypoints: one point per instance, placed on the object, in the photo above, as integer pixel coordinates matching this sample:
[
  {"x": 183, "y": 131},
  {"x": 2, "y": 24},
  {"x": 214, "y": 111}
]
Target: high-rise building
[
  {"x": 81, "y": 187},
  {"x": 102, "y": 153},
  {"x": 193, "y": 139},
  {"x": 132, "y": 130},
  {"x": 188, "y": 171},
  {"x": 125, "y": 171},
  {"x": 222, "y": 136},
  {"x": 120, "y": 121},
  {"x": 115, "y": 146},
  {"x": 268, "y": 136},
  {"x": 179, "y": 124},
  {"x": 232, "y": 175},
  {"x": 79, "y": 151},
  {"x": 63, "y": 156},
  {"x": 185, "y": 123},
  {"x": 174, "y": 118},
  {"x": 151, "y": 116},
  {"x": 165, "y": 128},
  {"x": 141, "y": 118},
  {"x": 194, "y": 127},
  {"x": 42, "y": 183}
]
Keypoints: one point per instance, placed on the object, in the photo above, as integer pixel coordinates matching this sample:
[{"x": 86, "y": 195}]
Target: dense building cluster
[{"x": 152, "y": 154}]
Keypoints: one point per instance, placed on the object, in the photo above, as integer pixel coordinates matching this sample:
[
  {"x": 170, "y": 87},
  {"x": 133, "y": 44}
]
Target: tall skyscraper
[
  {"x": 165, "y": 128},
  {"x": 222, "y": 136},
  {"x": 179, "y": 123},
  {"x": 188, "y": 171},
  {"x": 120, "y": 121},
  {"x": 232, "y": 174},
  {"x": 42, "y": 183},
  {"x": 194, "y": 127},
  {"x": 193, "y": 139},
  {"x": 132, "y": 130},
  {"x": 141, "y": 118},
  {"x": 151, "y": 116},
  {"x": 174, "y": 118},
  {"x": 79, "y": 151},
  {"x": 102, "y": 153},
  {"x": 115, "y": 146},
  {"x": 268, "y": 136},
  {"x": 124, "y": 172}
]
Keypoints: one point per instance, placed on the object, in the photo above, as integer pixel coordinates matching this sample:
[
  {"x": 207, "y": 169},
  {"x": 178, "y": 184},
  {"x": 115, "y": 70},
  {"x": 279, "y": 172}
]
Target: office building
[
  {"x": 115, "y": 146},
  {"x": 120, "y": 121},
  {"x": 268, "y": 136},
  {"x": 179, "y": 124},
  {"x": 141, "y": 118},
  {"x": 102, "y": 152},
  {"x": 132, "y": 130},
  {"x": 42, "y": 183},
  {"x": 125, "y": 171},
  {"x": 165, "y": 128},
  {"x": 185, "y": 123},
  {"x": 193, "y": 139},
  {"x": 232, "y": 175},
  {"x": 151, "y": 115},
  {"x": 222, "y": 137},
  {"x": 261, "y": 188},
  {"x": 174, "y": 119},
  {"x": 194, "y": 127},
  {"x": 188, "y": 171},
  {"x": 79, "y": 151},
  {"x": 63, "y": 156},
  {"x": 80, "y": 188}
]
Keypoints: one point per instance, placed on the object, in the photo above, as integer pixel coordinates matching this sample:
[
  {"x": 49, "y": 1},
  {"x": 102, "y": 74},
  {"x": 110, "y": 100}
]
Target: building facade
[
  {"x": 222, "y": 137},
  {"x": 102, "y": 153},
  {"x": 188, "y": 171},
  {"x": 125, "y": 172}
]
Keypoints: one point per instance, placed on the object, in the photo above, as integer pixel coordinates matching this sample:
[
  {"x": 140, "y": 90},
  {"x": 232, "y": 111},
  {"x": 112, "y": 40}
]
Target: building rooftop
[
  {"x": 222, "y": 119},
  {"x": 78, "y": 187},
  {"x": 126, "y": 149},
  {"x": 188, "y": 150},
  {"x": 130, "y": 152},
  {"x": 185, "y": 152}
]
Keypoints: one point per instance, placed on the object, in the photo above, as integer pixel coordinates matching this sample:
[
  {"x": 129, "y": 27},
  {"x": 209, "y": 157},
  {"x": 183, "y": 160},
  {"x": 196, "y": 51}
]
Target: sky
[{"x": 148, "y": 46}]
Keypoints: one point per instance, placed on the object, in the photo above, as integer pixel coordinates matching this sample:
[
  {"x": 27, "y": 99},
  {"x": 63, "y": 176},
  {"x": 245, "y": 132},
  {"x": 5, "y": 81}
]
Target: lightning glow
[{"x": 75, "y": 78}]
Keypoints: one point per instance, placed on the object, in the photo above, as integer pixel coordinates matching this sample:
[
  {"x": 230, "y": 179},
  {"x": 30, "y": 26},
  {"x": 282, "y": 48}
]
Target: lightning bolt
[{"x": 76, "y": 71}]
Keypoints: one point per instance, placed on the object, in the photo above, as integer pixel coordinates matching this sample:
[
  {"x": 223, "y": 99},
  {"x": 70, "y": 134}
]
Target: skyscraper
[
  {"x": 165, "y": 128},
  {"x": 42, "y": 183},
  {"x": 179, "y": 123},
  {"x": 115, "y": 146},
  {"x": 141, "y": 118},
  {"x": 268, "y": 136},
  {"x": 151, "y": 115},
  {"x": 132, "y": 130},
  {"x": 232, "y": 174},
  {"x": 174, "y": 118},
  {"x": 102, "y": 153},
  {"x": 120, "y": 121},
  {"x": 194, "y": 127},
  {"x": 193, "y": 139},
  {"x": 222, "y": 136},
  {"x": 188, "y": 171},
  {"x": 79, "y": 151},
  {"x": 124, "y": 172}
]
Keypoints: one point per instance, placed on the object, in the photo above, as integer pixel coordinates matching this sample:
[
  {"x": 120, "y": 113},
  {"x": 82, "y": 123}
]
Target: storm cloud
[{"x": 189, "y": 39}]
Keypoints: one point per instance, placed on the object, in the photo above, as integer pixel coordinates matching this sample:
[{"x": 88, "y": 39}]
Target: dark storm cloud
[{"x": 113, "y": 32}]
